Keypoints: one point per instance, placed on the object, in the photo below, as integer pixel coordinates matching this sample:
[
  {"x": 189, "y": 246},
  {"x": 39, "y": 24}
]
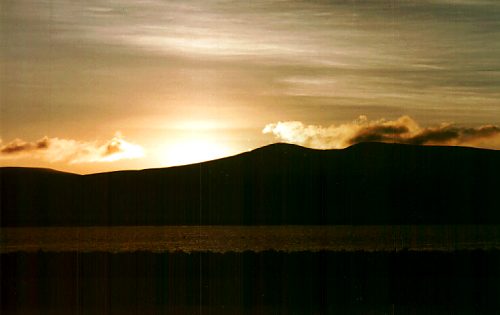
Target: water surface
[{"x": 222, "y": 239}]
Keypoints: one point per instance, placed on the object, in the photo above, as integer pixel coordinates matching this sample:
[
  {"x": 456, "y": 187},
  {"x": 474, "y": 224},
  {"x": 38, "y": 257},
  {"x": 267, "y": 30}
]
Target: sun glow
[{"x": 193, "y": 151}]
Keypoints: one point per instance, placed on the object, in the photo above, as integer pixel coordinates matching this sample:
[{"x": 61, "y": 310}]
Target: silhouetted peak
[{"x": 281, "y": 146}]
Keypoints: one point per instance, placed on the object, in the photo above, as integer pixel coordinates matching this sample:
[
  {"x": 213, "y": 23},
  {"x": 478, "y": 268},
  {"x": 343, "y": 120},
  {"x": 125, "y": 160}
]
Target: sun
[{"x": 193, "y": 151}]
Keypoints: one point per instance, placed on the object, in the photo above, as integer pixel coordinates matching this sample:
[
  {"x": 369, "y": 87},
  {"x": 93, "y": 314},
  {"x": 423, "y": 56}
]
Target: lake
[{"x": 222, "y": 239}]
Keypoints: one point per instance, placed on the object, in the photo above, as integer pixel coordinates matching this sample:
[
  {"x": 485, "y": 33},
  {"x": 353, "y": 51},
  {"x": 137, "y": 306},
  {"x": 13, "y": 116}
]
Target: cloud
[
  {"x": 402, "y": 130},
  {"x": 72, "y": 151},
  {"x": 19, "y": 146}
]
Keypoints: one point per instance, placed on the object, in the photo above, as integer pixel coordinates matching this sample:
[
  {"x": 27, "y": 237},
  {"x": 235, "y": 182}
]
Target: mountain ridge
[
  {"x": 283, "y": 145},
  {"x": 369, "y": 183}
]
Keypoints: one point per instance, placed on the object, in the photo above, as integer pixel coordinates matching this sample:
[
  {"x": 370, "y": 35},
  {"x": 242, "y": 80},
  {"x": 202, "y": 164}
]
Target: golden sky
[{"x": 88, "y": 86}]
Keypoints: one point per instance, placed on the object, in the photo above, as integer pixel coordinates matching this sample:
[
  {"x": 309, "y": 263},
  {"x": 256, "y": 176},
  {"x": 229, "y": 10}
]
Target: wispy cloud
[
  {"x": 336, "y": 53},
  {"x": 402, "y": 130},
  {"x": 72, "y": 151}
]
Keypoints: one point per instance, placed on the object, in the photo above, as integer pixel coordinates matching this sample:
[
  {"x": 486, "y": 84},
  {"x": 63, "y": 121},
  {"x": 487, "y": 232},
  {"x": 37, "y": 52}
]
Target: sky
[{"x": 93, "y": 86}]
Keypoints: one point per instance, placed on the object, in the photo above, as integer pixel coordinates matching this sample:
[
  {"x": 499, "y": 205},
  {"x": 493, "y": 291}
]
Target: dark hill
[{"x": 369, "y": 183}]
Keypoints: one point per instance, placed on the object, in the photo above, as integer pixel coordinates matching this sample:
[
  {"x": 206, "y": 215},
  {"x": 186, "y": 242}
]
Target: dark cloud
[
  {"x": 447, "y": 134},
  {"x": 19, "y": 146},
  {"x": 379, "y": 133}
]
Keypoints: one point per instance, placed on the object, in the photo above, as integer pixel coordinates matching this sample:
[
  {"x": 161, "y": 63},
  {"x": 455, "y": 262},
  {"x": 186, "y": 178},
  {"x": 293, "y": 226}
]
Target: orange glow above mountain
[{"x": 192, "y": 151}]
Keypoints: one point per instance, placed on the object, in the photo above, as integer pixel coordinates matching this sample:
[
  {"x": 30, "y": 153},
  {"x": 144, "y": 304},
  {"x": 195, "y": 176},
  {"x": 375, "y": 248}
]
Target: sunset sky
[{"x": 90, "y": 86}]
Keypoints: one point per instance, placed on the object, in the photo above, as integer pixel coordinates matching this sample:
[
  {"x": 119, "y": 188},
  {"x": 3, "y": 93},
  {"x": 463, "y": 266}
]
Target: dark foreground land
[
  {"x": 462, "y": 282},
  {"x": 224, "y": 239},
  {"x": 369, "y": 183}
]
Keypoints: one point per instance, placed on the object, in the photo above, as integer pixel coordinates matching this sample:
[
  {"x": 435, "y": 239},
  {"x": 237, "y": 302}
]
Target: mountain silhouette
[{"x": 368, "y": 183}]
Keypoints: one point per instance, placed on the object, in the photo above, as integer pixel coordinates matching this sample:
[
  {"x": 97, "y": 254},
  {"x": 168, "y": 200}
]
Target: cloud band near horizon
[
  {"x": 402, "y": 130},
  {"x": 71, "y": 151}
]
